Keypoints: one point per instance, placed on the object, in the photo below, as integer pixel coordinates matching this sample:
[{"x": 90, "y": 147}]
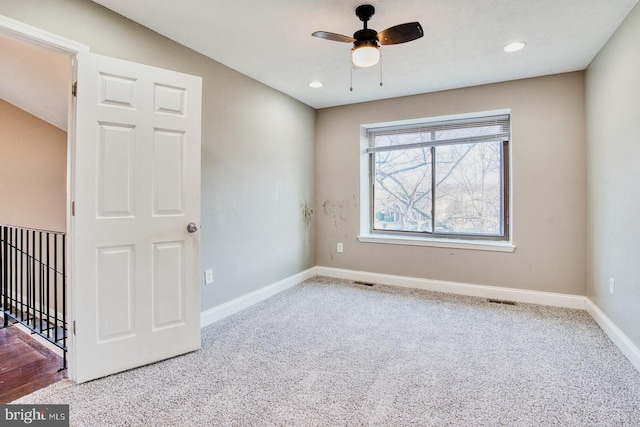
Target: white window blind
[{"x": 495, "y": 128}]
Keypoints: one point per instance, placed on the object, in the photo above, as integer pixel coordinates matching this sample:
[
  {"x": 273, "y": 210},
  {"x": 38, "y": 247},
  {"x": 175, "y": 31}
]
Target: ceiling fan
[{"x": 366, "y": 42}]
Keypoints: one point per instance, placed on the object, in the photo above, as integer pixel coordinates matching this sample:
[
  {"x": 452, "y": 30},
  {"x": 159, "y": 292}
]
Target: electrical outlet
[
  {"x": 208, "y": 277},
  {"x": 612, "y": 285},
  {"x": 340, "y": 248}
]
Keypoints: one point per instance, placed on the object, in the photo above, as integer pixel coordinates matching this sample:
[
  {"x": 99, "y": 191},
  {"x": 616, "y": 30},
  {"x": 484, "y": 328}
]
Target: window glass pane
[
  {"x": 469, "y": 189},
  {"x": 402, "y": 190},
  {"x": 469, "y": 197}
]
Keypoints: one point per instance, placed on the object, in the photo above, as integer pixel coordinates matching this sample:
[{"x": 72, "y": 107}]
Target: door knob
[{"x": 192, "y": 227}]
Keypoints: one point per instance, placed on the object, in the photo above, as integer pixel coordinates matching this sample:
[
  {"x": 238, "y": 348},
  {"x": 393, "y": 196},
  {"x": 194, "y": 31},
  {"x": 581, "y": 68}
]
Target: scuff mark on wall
[
  {"x": 306, "y": 213},
  {"x": 341, "y": 216},
  {"x": 340, "y": 210},
  {"x": 308, "y": 232}
]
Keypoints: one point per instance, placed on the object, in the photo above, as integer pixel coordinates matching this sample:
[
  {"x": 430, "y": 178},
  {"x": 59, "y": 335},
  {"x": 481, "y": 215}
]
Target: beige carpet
[{"x": 333, "y": 353}]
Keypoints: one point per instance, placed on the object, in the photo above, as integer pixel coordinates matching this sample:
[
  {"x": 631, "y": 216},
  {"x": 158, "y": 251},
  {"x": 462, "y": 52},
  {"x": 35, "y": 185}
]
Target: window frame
[{"x": 502, "y": 242}]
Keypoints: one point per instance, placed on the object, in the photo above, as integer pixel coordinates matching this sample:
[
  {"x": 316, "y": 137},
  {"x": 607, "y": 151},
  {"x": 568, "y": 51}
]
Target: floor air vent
[
  {"x": 363, "y": 283},
  {"x": 501, "y": 301}
]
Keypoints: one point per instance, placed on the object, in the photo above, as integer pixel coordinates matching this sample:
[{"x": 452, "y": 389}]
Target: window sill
[{"x": 438, "y": 243}]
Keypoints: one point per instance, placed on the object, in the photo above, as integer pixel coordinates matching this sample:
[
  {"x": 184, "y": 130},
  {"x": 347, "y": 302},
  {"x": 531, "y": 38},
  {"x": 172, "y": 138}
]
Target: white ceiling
[
  {"x": 35, "y": 80},
  {"x": 271, "y": 41}
]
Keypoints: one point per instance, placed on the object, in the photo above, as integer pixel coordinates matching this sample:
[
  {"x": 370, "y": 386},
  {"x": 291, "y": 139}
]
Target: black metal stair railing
[{"x": 33, "y": 279}]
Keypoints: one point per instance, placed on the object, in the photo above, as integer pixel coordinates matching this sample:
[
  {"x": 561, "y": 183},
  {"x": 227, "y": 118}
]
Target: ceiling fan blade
[
  {"x": 401, "y": 33},
  {"x": 333, "y": 37}
]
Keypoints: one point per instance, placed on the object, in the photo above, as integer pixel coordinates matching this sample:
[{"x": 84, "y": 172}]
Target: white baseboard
[
  {"x": 615, "y": 334},
  {"x": 221, "y": 311},
  {"x": 533, "y": 297},
  {"x": 519, "y": 295}
]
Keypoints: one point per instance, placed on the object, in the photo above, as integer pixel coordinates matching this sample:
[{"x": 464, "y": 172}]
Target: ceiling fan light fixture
[
  {"x": 366, "y": 42},
  {"x": 365, "y": 53}
]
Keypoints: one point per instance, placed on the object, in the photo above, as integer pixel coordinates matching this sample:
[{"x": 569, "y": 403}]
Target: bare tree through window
[{"x": 441, "y": 180}]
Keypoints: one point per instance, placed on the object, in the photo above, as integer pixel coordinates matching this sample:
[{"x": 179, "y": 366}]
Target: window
[{"x": 440, "y": 179}]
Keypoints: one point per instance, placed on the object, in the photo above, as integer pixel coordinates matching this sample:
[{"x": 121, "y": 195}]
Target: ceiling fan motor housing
[
  {"x": 365, "y": 35},
  {"x": 365, "y": 12}
]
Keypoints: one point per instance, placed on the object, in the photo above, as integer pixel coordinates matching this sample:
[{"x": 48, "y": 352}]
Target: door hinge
[
  {"x": 74, "y": 89},
  {"x": 73, "y": 208},
  {"x": 74, "y": 327}
]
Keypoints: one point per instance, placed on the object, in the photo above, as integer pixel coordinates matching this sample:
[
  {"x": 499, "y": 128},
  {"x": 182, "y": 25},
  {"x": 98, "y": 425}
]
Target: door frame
[{"x": 19, "y": 31}]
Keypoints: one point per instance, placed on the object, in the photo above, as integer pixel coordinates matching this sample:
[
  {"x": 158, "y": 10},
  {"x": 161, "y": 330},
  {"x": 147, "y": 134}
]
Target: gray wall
[
  {"x": 613, "y": 161},
  {"x": 257, "y": 150},
  {"x": 548, "y": 178}
]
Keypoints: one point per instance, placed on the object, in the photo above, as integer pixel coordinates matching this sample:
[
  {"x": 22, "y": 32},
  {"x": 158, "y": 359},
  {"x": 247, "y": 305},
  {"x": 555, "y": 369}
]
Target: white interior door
[{"x": 136, "y": 186}]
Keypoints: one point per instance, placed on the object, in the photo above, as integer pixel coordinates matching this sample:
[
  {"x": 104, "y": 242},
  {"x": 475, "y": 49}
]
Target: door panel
[
  {"x": 136, "y": 187},
  {"x": 168, "y": 289},
  {"x": 116, "y": 144},
  {"x": 114, "y": 281},
  {"x": 168, "y": 172}
]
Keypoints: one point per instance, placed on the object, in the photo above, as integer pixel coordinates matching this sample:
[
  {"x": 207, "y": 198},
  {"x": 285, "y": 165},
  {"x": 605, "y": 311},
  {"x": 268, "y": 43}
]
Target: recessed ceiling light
[
  {"x": 315, "y": 84},
  {"x": 515, "y": 46}
]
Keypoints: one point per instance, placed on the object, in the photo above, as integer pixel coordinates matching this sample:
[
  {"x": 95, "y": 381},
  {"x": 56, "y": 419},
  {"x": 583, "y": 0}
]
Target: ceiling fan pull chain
[
  {"x": 350, "y": 74},
  {"x": 380, "y": 65}
]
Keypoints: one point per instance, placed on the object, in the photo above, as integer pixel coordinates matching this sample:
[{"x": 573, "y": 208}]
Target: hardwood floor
[{"x": 25, "y": 365}]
